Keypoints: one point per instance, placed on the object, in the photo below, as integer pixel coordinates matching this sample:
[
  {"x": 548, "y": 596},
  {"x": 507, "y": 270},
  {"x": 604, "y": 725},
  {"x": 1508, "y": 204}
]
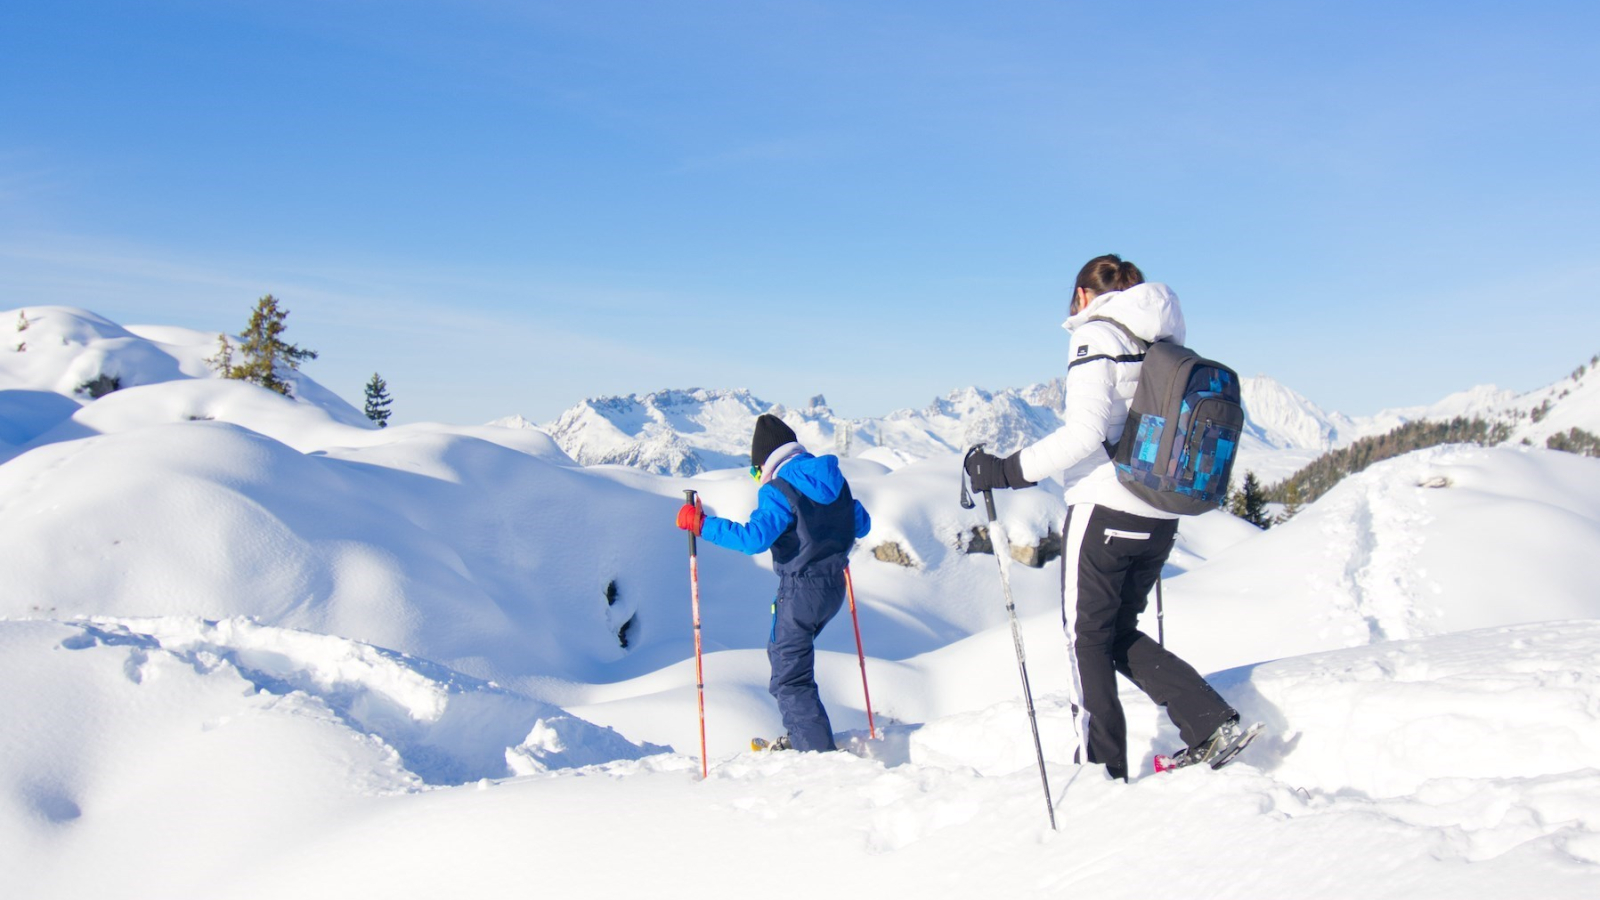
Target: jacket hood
[
  {"x": 818, "y": 477},
  {"x": 1149, "y": 310}
]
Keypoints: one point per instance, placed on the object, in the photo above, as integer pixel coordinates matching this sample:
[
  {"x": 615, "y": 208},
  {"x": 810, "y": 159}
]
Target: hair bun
[{"x": 1107, "y": 273}]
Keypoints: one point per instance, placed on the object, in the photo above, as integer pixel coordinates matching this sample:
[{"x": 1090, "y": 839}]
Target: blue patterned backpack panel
[{"x": 1182, "y": 435}]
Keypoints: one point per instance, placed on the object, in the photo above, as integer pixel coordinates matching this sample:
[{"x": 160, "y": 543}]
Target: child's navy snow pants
[{"x": 806, "y": 602}]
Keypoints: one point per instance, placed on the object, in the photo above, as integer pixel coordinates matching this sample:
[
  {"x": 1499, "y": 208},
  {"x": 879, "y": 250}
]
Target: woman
[{"x": 1113, "y": 544}]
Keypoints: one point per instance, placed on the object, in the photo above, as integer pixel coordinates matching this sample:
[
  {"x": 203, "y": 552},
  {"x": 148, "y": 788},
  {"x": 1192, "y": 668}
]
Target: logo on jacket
[{"x": 1084, "y": 350}]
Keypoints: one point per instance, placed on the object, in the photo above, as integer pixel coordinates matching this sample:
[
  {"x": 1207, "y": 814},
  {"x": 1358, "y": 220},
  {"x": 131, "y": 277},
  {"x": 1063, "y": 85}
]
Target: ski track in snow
[
  {"x": 1375, "y": 530},
  {"x": 444, "y": 727}
]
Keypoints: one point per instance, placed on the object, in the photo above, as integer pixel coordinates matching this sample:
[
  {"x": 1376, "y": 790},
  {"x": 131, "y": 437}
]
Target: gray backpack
[{"x": 1183, "y": 429}]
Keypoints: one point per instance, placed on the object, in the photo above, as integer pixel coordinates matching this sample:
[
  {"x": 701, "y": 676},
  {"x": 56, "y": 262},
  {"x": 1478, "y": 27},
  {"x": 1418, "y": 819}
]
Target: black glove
[{"x": 991, "y": 473}]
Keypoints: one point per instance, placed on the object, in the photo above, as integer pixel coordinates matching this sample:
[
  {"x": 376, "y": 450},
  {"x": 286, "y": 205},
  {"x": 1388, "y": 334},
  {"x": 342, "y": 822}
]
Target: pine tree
[
  {"x": 263, "y": 351},
  {"x": 1575, "y": 440},
  {"x": 222, "y": 362},
  {"x": 1250, "y": 502},
  {"x": 1322, "y": 474},
  {"x": 1291, "y": 504},
  {"x": 378, "y": 401}
]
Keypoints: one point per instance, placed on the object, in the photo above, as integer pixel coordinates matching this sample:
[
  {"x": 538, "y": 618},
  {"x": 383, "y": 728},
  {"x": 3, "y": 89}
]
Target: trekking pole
[
  {"x": 1161, "y": 615},
  {"x": 1002, "y": 554},
  {"x": 694, "y": 601},
  {"x": 850, "y": 588}
]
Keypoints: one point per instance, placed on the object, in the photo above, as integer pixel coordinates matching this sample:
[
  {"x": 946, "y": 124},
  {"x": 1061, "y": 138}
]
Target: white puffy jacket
[{"x": 1099, "y": 391}]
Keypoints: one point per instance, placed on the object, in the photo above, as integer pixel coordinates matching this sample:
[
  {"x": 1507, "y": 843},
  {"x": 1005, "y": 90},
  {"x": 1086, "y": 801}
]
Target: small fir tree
[
  {"x": 1291, "y": 504},
  {"x": 378, "y": 401},
  {"x": 263, "y": 352},
  {"x": 22, "y": 320},
  {"x": 222, "y": 360},
  {"x": 1250, "y": 502}
]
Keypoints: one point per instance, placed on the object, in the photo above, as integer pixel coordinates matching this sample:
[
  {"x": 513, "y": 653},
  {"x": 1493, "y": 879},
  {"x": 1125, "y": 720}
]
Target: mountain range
[{"x": 686, "y": 432}]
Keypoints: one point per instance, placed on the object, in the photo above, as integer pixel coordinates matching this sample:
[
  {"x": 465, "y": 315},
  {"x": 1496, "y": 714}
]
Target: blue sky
[{"x": 505, "y": 207}]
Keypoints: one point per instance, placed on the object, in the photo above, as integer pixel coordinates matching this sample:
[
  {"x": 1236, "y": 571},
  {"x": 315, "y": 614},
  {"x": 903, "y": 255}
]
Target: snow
[
  {"x": 251, "y": 646},
  {"x": 1283, "y": 419},
  {"x": 1363, "y": 787},
  {"x": 1573, "y": 402},
  {"x": 690, "y": 432},
  {"x": 1445, "y": 539}
]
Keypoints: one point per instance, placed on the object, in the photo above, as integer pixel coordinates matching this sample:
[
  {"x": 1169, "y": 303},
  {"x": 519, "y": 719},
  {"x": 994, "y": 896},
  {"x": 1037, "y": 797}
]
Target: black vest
[{"x": 821, "y": 536}]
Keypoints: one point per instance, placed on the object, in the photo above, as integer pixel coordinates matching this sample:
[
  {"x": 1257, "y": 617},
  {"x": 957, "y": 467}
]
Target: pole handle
[
  {"x": 691, "y": 497},
  {"x": 966, "y": 495}
]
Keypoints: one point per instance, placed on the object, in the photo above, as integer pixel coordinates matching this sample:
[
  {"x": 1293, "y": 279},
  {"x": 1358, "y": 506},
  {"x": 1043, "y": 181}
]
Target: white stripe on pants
[{"x": 1071, "y": 547}]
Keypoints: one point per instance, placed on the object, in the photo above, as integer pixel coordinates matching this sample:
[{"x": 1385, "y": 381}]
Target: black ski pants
[{"x": 1110, "y": 561}]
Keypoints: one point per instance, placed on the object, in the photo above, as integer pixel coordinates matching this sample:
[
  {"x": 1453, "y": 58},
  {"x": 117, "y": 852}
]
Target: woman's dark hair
[{"x": 1108, "y": 273}]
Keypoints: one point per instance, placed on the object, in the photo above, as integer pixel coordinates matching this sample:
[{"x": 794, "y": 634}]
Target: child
[{"x": 808, "y": 519}]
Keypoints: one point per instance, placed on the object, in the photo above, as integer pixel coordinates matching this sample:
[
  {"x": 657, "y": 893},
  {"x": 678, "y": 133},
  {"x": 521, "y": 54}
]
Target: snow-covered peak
[
  {"x": 1284, "y": 419},
  {"x": 683, "y": 432},
  {"x": 686, "y": 432},
  {"x": 514, "y": 422}
]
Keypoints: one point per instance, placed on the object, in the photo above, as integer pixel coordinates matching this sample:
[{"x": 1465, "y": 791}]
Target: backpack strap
[{"x": 1140, "y": 342}]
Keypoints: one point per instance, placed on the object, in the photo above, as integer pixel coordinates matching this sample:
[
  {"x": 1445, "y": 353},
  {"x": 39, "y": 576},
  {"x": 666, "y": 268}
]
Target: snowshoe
[
  {"x": 1215, "y": 751},
  {"x": 781, "y": 743}
]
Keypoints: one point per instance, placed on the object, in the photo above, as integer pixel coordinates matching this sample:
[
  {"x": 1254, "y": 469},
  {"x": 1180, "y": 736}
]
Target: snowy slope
[
  {"x": 1437, "y": 541},
  {"x": 1285, "y": 421},
  {"x": 463, "y": 545},
  {"x": 1573, "y": 402},
  {"x": 61, "y": 348},
  {"x": 42, "y": 374},
  {"x": 231, "y": 736},
  {"x": 1452, "y": 767},
  {"x": 210, "y": 498},
  {"x": 324, "y": 660}
]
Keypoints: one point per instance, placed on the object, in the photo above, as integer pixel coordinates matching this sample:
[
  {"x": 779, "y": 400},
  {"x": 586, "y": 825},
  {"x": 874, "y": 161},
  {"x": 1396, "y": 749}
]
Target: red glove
[{"x": 691, "y": 518}]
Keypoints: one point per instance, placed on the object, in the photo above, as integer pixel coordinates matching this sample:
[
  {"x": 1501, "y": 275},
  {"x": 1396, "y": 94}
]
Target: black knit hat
[{"x": 771, "y": 433}]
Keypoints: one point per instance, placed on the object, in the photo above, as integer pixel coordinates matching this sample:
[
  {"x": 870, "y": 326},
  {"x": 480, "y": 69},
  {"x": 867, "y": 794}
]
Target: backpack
[{"x": 1182, "y": 435}]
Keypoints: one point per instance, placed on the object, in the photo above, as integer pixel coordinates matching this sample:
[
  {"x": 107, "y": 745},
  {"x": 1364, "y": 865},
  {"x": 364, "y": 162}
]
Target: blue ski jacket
[{"x": 814, "y": 478}]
